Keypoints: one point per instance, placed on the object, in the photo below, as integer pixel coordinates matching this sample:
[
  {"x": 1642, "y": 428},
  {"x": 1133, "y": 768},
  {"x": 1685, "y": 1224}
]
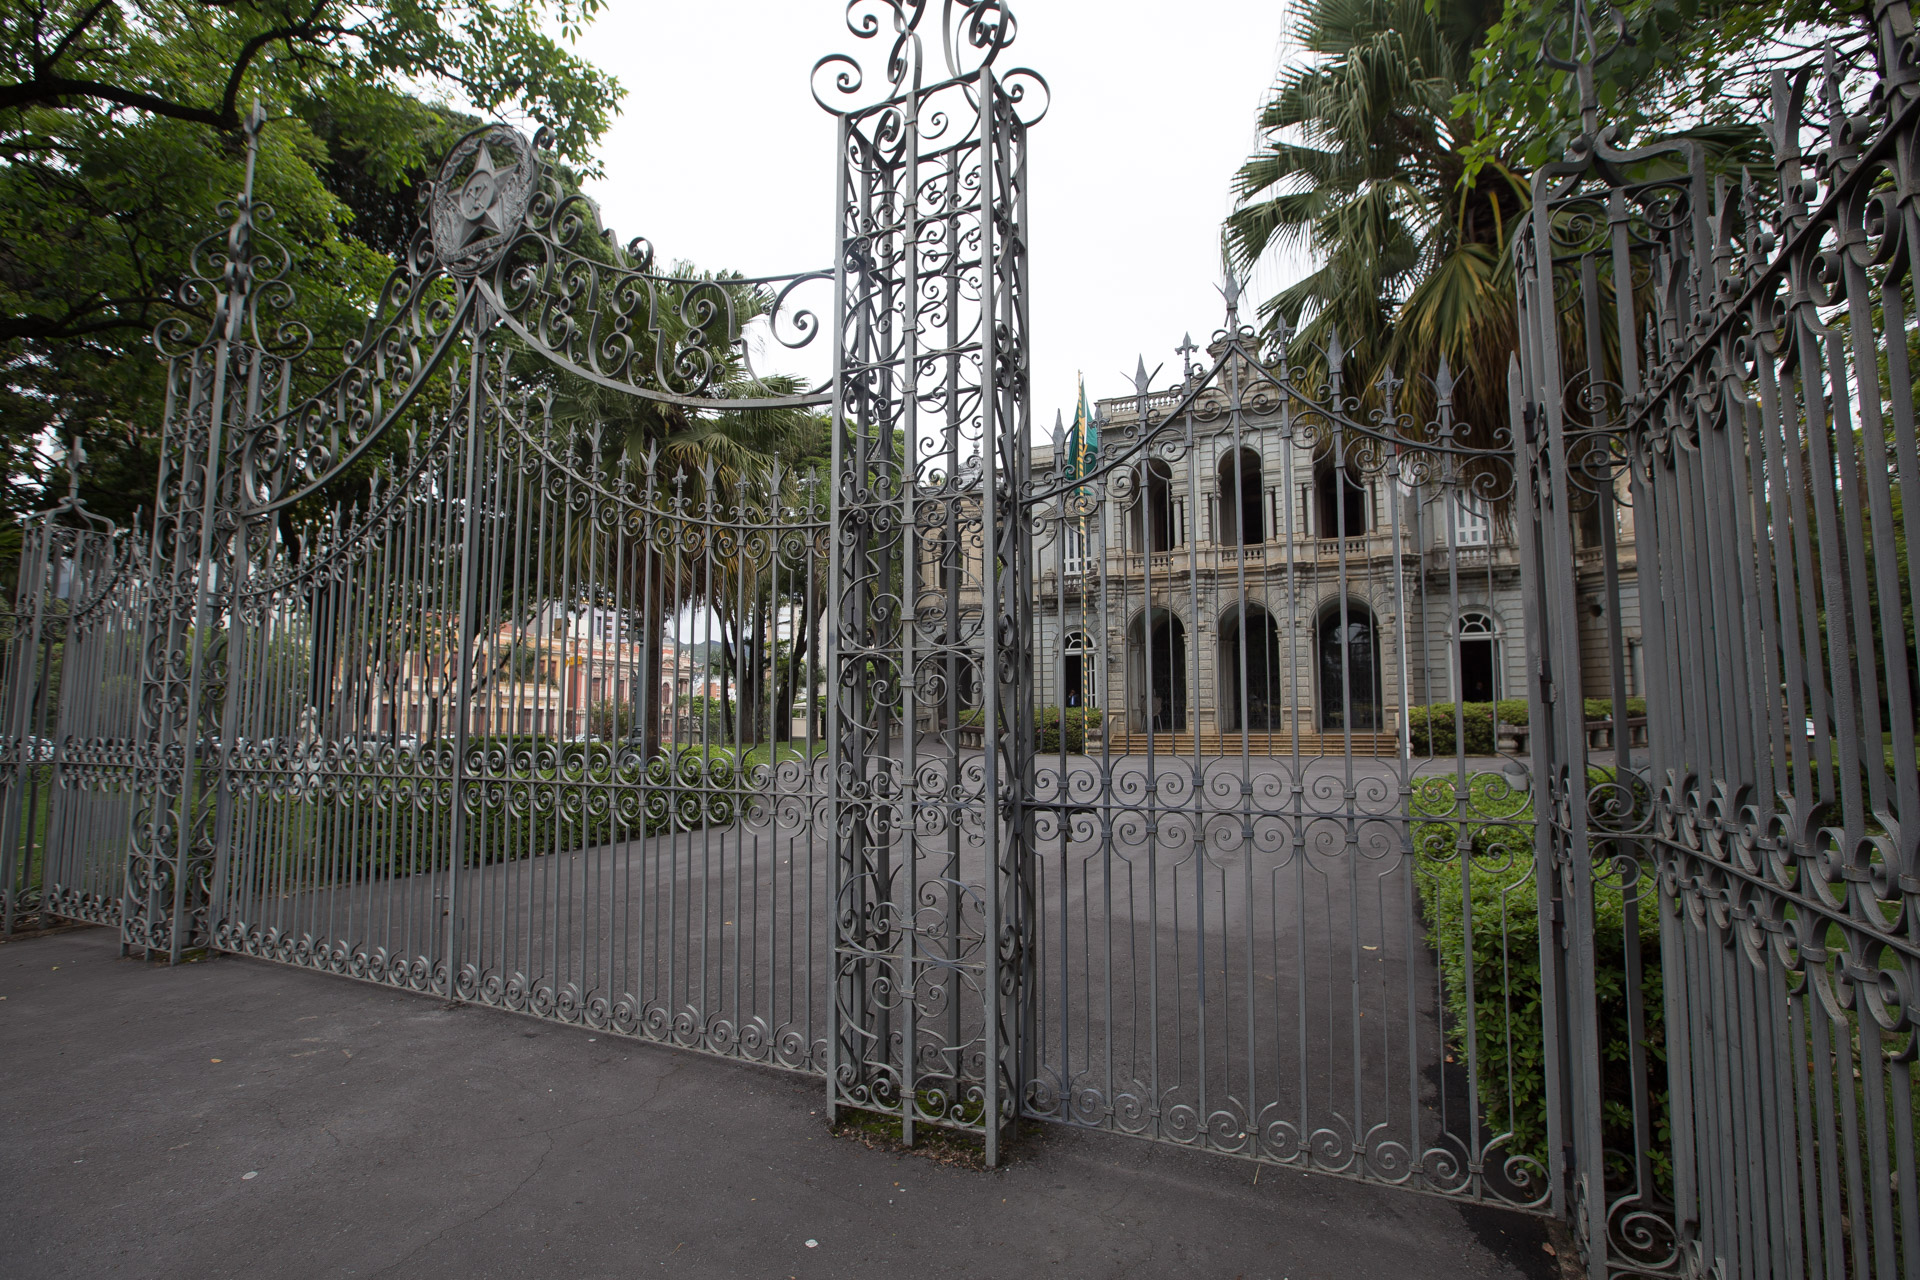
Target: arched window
[
  {"x": 1339, "y": 499},
  {"x": 1349, "y": 647},
  {"x": 1479, "y": 657},
  {"x": 1242, "y": 517},
  {"x": 1157, "y": 672},
  {"x": 1250, "y": 683},
  {"x": 1079, "y": 677},
  {"x": 1152, "y": 512}
]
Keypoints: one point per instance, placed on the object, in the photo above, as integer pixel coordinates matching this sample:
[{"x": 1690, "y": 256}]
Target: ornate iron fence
[
  {"x": 1719, "y": 358},
  {"x": 1175, "y": 783},
  {"x": 71, "y": 758},
  {"x": 1284, "y": 893}
]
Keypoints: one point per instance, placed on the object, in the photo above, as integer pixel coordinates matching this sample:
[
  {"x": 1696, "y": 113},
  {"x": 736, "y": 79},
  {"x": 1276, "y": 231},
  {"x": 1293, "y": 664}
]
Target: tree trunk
[
  {"x": 653, "y": 628},
  {"x": 754, "y": 679},
  {"x": 796, "y": 662}
]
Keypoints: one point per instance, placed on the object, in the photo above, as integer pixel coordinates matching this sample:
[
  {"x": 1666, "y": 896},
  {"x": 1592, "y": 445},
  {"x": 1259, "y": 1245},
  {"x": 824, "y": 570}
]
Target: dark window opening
[
  {"x": 1153, "y": 508},
  {"x": 1479, "y": 666},
  {"x": 1242, "y": 517},
  {"x": 1349, "y": 669},
  {"x": 1159, "y": 673},
  {"x": 1340, "y": 500},
  {"x": 1250, "y": 681}
]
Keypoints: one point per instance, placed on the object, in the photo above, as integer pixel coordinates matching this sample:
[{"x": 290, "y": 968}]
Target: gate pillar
[
  {"x": 214, "y": 388},
  {"x": 931, "y": 598}
]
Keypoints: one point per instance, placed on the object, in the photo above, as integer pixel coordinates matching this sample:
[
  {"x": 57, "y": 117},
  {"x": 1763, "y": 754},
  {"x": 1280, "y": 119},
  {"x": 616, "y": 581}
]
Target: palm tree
[
  {"x": 1365, "y": 167},
  {"x": 723, "y": 459}
]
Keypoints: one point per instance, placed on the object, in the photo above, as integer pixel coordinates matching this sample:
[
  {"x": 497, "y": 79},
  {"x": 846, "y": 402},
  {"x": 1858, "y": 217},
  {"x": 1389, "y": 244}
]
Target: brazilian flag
[{"x": 1083, "y": 442}]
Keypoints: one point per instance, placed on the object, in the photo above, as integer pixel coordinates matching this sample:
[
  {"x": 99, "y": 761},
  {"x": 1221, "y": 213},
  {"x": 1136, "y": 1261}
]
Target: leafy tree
[
  {"x": 119, "y": 130},
  {"x": 201, "y": 61},
  {"x": 1663, "y": 67}
]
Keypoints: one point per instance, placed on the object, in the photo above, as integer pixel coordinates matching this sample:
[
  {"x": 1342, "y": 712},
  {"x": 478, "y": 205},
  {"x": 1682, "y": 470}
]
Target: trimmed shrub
[
  {"x": 1509, "y": 1044},
  {"x": 1049, "y": 723},
  {"x": 1052, "y": 726},
  {"x": 529, "y": 797},
  {"x": 1432, "y": 727}
]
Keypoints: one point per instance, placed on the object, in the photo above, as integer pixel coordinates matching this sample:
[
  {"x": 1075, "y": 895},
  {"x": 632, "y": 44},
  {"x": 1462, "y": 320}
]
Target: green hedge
[
  {"x": 1048, "y": 725},
  {"x": 537, "y": 795},
  {"x": 1510, "y": 1049},
  {"x": 1432, "y": 730},
  {"x": 1051, "y": 724}
]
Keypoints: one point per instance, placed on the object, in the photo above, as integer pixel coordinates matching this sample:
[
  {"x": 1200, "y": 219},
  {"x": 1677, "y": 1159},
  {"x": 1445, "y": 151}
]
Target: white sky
[{"x": 721, "y": 157}]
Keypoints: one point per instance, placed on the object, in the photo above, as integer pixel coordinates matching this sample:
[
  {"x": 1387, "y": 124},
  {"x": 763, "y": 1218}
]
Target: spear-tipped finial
[
  {"x": 1230, "y": 290},
  {"x": 1140, "y": 378},
  {"x": 1336, "y": 353},
  {"x": 1443, "y": 383},
  {"x": 1584, "y": 54},
  {"x": 1059, "y": 431}
]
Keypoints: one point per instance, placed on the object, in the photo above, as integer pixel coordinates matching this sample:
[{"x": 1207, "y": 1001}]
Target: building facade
[{"x": 1243, "y": 574}]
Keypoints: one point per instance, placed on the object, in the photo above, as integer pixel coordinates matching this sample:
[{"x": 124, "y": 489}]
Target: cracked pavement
[{"x": 232, "y": 1117}]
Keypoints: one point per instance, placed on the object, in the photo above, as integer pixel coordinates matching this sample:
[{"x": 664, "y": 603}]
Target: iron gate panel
[
  {"x": 442, "y": 771},
  {"x": 1715, "y": 389},
  {"x": 450, "y": 731},
  {"x": 71, "y": 759},
  {"x": 1254, "y": 585}
]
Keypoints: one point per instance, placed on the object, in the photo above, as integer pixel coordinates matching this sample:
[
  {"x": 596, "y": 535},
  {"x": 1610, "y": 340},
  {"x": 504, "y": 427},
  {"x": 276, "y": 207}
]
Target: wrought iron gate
[
  {"x": 1714, "y": 399},
  {"x": 1282, "y": 877},
  {"x": 1274, "y": 764},
  {"x": 70, "y": 763},
  {"x": 448, "y": 668}
]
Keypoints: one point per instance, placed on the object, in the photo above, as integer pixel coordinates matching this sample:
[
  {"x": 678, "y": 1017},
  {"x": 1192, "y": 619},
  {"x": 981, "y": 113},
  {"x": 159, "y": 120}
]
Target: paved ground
[{"x": 235, "y": 1118}]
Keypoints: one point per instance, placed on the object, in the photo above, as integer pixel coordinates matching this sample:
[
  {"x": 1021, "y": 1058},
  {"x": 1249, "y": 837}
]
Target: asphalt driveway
[{"x": 231, "y": 1118}]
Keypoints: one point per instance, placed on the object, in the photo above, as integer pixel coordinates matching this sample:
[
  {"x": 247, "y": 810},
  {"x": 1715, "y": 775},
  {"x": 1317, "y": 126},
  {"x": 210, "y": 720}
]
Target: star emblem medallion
[{"x": 480, "y": 198}]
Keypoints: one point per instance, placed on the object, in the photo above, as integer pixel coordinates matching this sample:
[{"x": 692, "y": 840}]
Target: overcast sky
[{"x": 721, "y": 157}]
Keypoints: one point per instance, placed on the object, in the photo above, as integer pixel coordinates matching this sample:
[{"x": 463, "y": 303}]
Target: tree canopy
[
  {"x": 120, "y": 140},
  {"x": 1662, "y": 67}
]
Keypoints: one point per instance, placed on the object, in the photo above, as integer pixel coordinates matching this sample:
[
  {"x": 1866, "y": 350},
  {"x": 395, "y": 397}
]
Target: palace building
[{"x": 1246, "y": 575}]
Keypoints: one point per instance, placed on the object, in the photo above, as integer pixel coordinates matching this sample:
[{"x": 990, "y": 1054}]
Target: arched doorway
[
  {"x": 1479, "y": 658},
  {"x": 1242, "y": 514},
  {"x": 1251, "y": 690},
  {"x": 1079, "y": 679},
  {"x": 1151, "y": 519},
  {"x": 1157, "y": 671},
  {"x": 1349, "y": 646},
  {"x": 1339, "y": 498}
]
